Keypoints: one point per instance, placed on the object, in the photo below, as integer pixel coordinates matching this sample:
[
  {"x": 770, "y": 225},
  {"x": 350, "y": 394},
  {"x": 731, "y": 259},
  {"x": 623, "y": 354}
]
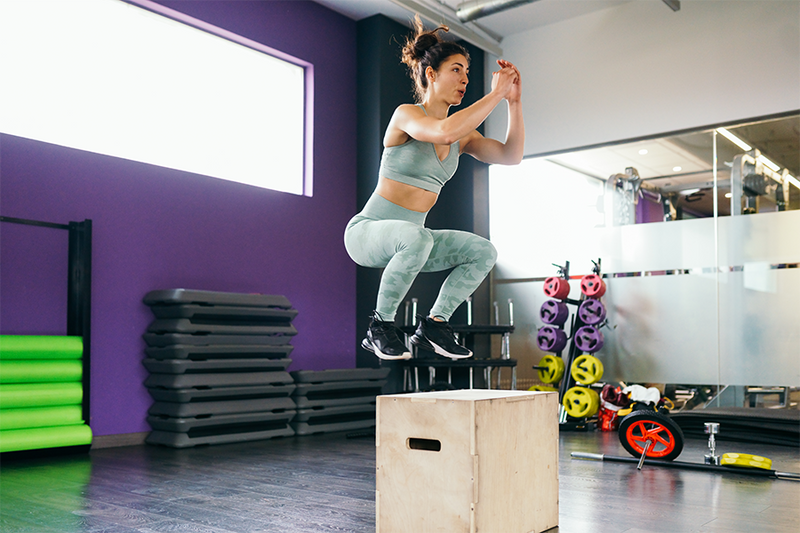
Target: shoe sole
[
  {"x": 425, "y": 344},
  {"x": 380, "y": 355}
]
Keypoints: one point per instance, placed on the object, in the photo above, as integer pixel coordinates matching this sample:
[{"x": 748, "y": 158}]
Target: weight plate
[
  {"x": 543, "y": 388},
  {"x": 580, "y": 402},
  {"x": 665, "y": 436},
  {"x": 591, "y": 312},
  {"x": 552, "y": 369},
  {"x": 589, "y": 339},
  {"x": 586, "y": 369},
  {"x": 556, "y": 287},
  {"x": 746, "y": 460},
  {"x": 554, "y": 312},
  {"x": 593, "y": 286},
  {"x": 550, "y": 339}
]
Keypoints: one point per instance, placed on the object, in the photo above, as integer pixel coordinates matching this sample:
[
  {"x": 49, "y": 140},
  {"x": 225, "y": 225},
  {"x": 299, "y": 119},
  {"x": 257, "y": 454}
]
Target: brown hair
[{"x": 427, "y": 49}]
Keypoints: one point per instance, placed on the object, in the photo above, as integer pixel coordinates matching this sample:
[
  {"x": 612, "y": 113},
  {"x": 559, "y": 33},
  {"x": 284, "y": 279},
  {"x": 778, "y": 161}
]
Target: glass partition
[{"x": 697, "y": 238}]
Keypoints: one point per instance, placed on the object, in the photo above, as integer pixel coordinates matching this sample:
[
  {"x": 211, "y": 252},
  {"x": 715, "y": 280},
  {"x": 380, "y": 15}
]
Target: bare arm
[
  {"x": 412, "y": 121},
  {"x": 495, "y": 152}
]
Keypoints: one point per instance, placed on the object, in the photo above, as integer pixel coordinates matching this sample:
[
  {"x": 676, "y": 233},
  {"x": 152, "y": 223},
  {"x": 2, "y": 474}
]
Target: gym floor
[{"x": 326, "y": 483}]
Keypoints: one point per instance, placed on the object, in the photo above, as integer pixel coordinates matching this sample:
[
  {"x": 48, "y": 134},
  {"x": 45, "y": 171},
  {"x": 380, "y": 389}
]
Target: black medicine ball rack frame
[
  {"x": 566, "y": 422},
  {"x": 464, "y": 332},
  {"x": 79, "y": 301}
]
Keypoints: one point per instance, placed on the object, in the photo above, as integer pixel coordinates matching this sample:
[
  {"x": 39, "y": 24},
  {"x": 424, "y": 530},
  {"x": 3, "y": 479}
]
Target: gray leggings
[{"x": 385, "y": 235}]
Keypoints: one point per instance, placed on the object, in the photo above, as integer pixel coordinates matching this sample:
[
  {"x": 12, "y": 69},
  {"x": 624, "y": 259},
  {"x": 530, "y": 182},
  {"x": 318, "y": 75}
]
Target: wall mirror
[{"x": 697, "y": 237}]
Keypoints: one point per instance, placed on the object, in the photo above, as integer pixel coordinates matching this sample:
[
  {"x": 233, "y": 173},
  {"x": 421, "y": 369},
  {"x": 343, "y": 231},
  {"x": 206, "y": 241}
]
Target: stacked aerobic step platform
[
  {"x": 41, "y": 393},
  {"x": 336, "y": 400},
  {"x": 217, "y": 365}
]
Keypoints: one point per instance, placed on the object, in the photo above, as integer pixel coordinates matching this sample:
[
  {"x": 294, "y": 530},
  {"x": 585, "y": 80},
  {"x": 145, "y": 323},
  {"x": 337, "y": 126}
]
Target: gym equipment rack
[
  {"x": 566, "y": 422},
  {"x": 53, "y": 439}
]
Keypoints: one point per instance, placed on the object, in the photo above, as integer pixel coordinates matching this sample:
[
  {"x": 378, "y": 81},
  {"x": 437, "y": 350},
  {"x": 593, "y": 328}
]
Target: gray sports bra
[{"x": 416, "y": 163}]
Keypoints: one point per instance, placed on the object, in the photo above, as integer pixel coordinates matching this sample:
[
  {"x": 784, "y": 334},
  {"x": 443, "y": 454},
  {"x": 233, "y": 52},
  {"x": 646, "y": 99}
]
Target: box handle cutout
[{"x": 430, "y": 445}]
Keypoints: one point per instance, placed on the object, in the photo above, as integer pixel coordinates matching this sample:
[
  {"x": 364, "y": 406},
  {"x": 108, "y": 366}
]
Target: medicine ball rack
[
  {"x": 79, "y": 298},
  {"x": 584, "y": 337}
]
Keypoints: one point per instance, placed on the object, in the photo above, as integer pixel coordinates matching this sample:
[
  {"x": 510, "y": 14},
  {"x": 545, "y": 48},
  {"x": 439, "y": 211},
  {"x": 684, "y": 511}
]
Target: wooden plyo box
[{"x": 471, "y": 461}]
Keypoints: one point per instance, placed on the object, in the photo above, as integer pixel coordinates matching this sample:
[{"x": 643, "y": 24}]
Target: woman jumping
[{"x": 421, "y": 150}]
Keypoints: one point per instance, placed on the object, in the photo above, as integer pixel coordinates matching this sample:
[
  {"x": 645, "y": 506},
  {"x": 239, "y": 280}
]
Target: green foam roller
[
  {"x": 40, "y": 371},
  {"x": 40, "y": 347},
  {"x": 37, "y": 417},
  {"x": 40, "y": 395},
  {"x": 15, "y": 440}
]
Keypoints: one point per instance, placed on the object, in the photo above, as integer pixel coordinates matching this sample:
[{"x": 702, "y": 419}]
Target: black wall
[{"x": 383, "y": 84}]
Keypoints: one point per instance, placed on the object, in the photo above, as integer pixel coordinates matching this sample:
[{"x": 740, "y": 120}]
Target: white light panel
[{"x": 112, "y": 78}]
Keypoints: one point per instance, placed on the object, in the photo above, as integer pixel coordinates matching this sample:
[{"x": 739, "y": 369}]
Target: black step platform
[
  {"x": 167, "y": 339},
  {"x": 223, "y": 379},
  {"x": 195, "y": 409},
  {"x": 219, "y": 351},
  {"x": 190, "y": 296},
  {"x": 218, "y": 366},
  {"x": 201, "y": 394},
  {"x": 223, "y": 314},
  {"x": 186, "y": 366},
  {"x": 193, "y": 327},
  {"x": 308, "y": 395},
  {"x": 221, "y": 434},
  {"x": 224, "y": 422},
  {"x": 328, "y": 419},
  {"x": 344, "y": 374}
]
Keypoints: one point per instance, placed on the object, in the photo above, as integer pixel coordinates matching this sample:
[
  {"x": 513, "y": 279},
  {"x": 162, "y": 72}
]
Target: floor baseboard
[{"x": 122, "y": 439}]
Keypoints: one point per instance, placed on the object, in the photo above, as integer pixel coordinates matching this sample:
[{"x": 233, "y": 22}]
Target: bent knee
[
  {"x": 489, "y": 255},
  {"x": 415, "y": 239},
  {"x": 492, "y": 253}
]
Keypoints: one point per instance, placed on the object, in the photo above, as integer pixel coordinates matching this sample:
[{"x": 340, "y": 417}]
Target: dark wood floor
[{"x": 326, "y": 483}]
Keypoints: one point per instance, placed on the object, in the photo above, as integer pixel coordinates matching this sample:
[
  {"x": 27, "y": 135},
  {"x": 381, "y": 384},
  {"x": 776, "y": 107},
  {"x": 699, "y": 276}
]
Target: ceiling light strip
[
  {"x": 734, "y": 139},
  {"x": 768, "y": 163}
]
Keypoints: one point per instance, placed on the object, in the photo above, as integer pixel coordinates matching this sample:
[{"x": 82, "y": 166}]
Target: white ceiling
[
  {"x": 671, "y": 163},
  {"x": 516, "y": 20}
]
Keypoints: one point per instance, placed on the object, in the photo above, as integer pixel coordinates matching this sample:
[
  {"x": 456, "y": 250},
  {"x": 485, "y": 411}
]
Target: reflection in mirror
[
  {"x": 703, "y": 300},
  {"x": 671, "y": 178}
]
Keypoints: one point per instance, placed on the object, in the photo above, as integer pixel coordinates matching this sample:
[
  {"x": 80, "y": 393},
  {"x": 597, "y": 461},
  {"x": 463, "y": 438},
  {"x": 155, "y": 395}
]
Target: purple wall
[
  {"x": 156, "y": 228},
  {"x": 648, "y": 211}
]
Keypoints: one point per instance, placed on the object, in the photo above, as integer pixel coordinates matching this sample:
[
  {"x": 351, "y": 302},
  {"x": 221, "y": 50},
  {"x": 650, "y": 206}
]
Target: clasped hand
[{"x": 507, "y": 81}]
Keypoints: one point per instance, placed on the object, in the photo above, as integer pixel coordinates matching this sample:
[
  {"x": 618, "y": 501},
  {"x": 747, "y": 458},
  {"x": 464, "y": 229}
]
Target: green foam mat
[
  {"x": 40, "y": 347},
  {"x": 15, "y": 440},
  {"x": 37, "y": 417},
  {"x": 40, "y": 371},
  {"x": 40, "y": 395}
]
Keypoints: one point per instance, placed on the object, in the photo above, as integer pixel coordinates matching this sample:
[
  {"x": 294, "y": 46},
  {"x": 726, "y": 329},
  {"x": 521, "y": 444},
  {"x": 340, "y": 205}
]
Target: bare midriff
[{"x": 407, "y": 196}]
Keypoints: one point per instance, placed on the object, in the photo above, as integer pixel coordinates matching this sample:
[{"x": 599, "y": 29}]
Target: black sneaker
[
  {"x": 440, "y": 338},
  {"x": 383, "y": 340}
]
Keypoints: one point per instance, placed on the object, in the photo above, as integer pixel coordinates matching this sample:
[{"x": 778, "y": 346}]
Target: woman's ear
[{"x": 430, "y": 73}]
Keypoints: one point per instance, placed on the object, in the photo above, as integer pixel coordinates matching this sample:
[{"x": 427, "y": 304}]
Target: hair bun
[
  {"x": 425, "y": 49},
  {"x": 417, "y": 45}
]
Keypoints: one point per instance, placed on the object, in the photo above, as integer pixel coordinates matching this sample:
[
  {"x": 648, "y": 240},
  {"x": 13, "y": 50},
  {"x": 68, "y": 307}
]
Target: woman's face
[{"x": 451, "y": 79}]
